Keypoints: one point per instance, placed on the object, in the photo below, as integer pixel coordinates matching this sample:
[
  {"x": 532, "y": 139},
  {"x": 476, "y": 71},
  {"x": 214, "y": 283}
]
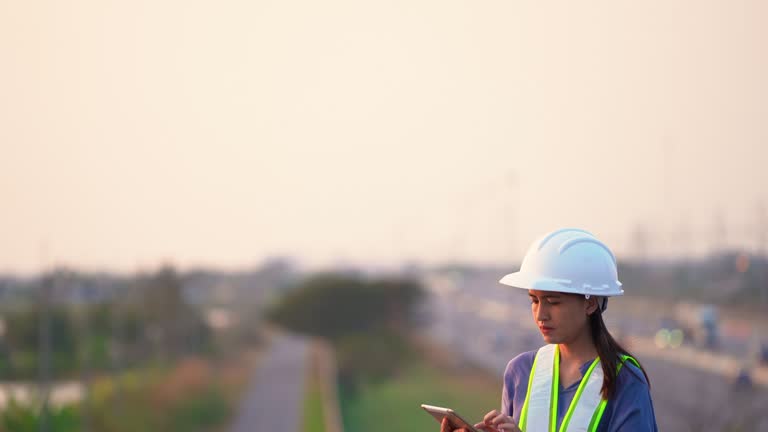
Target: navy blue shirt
[{"x": 630, "y": 410}]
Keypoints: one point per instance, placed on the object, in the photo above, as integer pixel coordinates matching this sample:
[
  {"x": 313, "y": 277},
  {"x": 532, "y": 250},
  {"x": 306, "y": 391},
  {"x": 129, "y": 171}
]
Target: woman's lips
[{"x": 546, "y": 330}]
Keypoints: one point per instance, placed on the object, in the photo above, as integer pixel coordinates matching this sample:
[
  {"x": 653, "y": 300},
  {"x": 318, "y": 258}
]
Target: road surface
[{"x": 274, "y": 401}]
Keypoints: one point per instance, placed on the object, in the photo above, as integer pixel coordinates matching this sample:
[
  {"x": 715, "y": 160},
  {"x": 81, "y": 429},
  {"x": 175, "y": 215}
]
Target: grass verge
[
  {"x": 313, "y": 419},
  {"x": 394, "y": 404}
]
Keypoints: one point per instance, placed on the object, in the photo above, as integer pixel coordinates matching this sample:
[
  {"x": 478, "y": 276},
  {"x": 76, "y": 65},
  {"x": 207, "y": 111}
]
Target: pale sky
[{"x": 220, "y": 133}]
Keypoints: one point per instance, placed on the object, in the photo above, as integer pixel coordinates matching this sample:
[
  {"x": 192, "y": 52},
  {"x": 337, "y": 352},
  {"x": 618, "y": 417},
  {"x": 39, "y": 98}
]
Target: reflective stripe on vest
[{"x": 539, "y": 412}]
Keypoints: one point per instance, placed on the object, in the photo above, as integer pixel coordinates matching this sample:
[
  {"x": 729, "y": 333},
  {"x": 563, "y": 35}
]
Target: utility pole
[
  {"x": 719, "y": 233},
  {"x": 639, "y": 243},
  {"x": 514, "y": 199},
  {"x": 44, "y": 359},
  {"x": 762, "y": 245},
  {"x": 684, "y": 238},
  {"x": 85, "y": 358},
  {"x": 116, "y": 349}
]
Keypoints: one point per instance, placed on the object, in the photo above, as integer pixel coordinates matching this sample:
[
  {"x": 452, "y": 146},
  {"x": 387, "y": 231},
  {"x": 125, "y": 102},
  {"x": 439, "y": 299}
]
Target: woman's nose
[{"x": 542, "y": 314}]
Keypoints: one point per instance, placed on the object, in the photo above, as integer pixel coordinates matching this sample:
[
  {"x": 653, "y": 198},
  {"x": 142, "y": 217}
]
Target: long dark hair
[{"x": 610, "y": 353}]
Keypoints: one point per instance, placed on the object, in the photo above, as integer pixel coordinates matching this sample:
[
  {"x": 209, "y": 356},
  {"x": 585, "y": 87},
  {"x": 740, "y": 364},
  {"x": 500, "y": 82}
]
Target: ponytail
[{"x": 610, "y": 353}]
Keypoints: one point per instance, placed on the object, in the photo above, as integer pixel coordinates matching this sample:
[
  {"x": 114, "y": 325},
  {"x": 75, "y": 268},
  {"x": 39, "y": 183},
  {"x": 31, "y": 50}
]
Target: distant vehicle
[
  {"x": 763, "y": 354},
  {"x": 757, "y": 350},
  {"x": 742, "y": 380}
]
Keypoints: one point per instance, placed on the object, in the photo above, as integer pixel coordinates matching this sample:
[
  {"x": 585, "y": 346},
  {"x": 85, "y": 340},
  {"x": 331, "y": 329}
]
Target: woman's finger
[
  {"x": 490, "y": 416},
  {"x": 508, "y": 427},
  {"x": 445, "y": 425},
  {"x": 501, "y": 418},
  {"x": 483, "y": 426}
]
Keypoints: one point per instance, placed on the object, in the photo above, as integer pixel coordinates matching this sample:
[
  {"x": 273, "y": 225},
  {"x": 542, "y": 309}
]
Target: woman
[{"x": 583, "y": 380}]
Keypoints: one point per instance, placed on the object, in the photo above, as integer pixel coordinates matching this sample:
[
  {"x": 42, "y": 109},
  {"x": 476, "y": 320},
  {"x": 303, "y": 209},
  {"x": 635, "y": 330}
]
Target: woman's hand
[
  {"x": 494, "y": 421},
  {"x": 446, "y": 426}
]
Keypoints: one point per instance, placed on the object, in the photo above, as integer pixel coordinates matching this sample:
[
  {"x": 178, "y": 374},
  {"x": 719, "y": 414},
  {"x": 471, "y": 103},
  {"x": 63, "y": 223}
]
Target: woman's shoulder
[
  {"x": 521, "y": 364},
  {"x": 632, "y": 376}
]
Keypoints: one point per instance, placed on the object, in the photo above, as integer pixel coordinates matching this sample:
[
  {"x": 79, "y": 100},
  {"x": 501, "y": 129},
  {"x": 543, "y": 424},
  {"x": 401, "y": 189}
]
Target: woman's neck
[{"x": 578, "y": 351}]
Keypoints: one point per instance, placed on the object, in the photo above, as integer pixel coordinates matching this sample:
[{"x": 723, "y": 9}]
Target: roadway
[{"x": 274, "y": 400}]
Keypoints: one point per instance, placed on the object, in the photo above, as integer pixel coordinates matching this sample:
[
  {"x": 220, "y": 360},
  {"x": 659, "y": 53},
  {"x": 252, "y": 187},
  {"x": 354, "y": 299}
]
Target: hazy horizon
[{"x": 221, "y": 134}]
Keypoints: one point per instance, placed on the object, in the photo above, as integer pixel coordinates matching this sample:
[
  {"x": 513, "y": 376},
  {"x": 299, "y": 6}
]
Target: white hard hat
[{"x": 571, "y": 261}]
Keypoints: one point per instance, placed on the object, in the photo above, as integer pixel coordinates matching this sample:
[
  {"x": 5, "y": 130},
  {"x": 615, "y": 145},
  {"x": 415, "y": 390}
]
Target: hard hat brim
[
  {"x": 523, "y": 281},
  {"x": 527, "y": 282}
]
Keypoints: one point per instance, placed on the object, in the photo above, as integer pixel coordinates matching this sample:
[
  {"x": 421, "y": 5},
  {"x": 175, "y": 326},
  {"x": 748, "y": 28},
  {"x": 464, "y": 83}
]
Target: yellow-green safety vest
[{"x": 539, "y": 412}]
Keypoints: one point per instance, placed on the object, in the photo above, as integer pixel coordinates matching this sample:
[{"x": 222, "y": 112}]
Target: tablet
[{"x": 456, "y": 421}]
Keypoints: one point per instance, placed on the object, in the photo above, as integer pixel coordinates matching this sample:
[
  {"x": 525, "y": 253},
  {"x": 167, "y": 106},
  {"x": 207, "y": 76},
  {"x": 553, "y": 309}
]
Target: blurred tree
[
  {"x": 23, "y": 341},
  {"x": 333, "y": 306},
  {"x": 103, "y": 326},
  {"x": 368, "y": 321},
  {"x": 173, "y": 326}
]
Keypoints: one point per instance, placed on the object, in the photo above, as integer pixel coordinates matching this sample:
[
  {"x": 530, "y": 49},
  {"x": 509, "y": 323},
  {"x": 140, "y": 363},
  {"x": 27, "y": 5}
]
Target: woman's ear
[{"x": 591, "y": 305}]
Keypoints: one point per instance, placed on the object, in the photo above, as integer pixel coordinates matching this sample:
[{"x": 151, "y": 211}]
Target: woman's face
[{"x": 561, "y": 317}]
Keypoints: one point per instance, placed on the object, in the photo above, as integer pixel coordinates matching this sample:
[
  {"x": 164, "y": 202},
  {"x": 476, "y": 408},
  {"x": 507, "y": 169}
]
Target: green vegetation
[
  {"x": 334, "y": 306},
  {"x": 313, "y": 419},
  {"x": 153, "y": 324},
  {"x": 383, "y": 375},
  {"x": 367, "y": 321},
  {"x": 394, "y": 404},
  {"x": 188, "y": 397},
  {"x": 21, "y": 418},
  {"x": 201, "y": 412},
  {"x": 140, "y": 346}
]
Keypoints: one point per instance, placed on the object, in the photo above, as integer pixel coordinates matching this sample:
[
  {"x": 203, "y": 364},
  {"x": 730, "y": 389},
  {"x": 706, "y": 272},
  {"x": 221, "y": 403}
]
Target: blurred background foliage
[{"x": 368, "y": 321}]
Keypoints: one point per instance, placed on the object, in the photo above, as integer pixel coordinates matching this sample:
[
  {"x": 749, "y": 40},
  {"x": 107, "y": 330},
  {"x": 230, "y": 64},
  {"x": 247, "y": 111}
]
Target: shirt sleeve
[
  {"x": 633, "y": 408},
  {"x": 507, "y": 392}
]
